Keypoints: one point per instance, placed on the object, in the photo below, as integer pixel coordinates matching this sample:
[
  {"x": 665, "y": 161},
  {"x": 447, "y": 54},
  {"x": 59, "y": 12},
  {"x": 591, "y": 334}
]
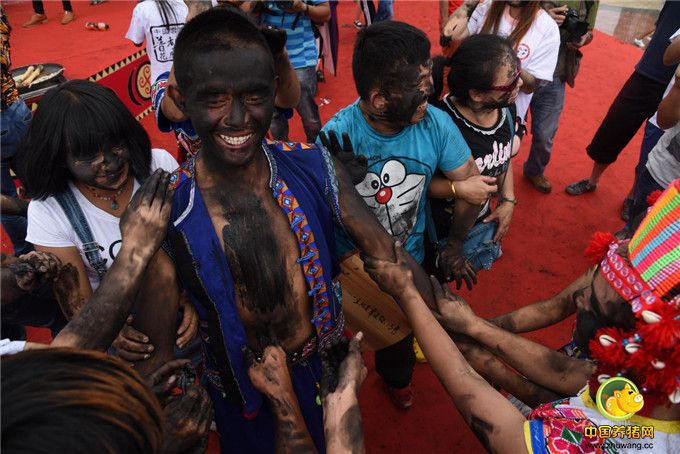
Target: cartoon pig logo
[
  {"x": 624, "y": 401},
  {"x": 618, "y": 398},
  {"x": 394, "y": 196}
]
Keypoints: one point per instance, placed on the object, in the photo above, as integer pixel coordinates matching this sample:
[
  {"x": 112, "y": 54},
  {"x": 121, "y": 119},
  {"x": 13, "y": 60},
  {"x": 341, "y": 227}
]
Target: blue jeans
[
  {"x": 37, "y": 308},
  {"x": 14, "y": 122},
  {"x": 546, "y": 107},
  {"x": 645, "y": 184},
  {"x": 385, "y": 10},
  {"x": 651, "y": 137},
  {"x": 306, "y": 108}
]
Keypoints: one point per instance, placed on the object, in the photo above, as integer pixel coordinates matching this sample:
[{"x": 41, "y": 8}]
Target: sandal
[{"x": 580, "y": 187}]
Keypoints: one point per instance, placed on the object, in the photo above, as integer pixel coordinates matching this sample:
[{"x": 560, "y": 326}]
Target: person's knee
[{"x": 541, "y": 138}]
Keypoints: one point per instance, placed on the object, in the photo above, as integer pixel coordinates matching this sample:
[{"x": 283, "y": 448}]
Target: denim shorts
[{"x": 479, "y": 247}]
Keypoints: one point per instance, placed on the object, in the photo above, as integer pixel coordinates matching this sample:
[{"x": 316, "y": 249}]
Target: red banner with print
[{"x": 130, "y": 79}]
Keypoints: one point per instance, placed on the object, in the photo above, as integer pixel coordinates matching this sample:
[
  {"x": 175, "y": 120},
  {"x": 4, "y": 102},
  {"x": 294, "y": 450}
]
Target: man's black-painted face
[
  {"x": 107, "y": 170},
  {"x": 407, "y": 100},
  {"x": 231, "y": 102},
  {"x": 598, "y": 306}
]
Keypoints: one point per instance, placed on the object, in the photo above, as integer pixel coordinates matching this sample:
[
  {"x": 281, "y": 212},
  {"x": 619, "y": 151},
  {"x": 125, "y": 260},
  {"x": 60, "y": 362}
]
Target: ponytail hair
[{"x": 439, "y": 64}]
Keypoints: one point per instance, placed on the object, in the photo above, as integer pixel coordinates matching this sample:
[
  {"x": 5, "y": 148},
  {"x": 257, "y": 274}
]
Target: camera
[{"x": 572, "y": 25}]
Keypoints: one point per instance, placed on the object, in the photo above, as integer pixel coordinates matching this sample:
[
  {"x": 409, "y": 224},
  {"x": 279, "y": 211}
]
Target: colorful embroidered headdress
[{"x": 650, "y": 281}]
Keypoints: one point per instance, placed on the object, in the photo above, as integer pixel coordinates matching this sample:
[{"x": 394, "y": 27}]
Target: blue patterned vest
[{"x": 303, "y": 184}]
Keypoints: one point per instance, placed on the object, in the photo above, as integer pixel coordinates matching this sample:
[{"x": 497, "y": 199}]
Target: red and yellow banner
[{"x": 130, "y": 79}]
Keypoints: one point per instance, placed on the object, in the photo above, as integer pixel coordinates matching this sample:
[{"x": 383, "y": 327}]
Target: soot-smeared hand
[
  {"x": 454, "y": 266},
  {"x": 342, "y": 366},
  {"x": 356, "y": 166}
]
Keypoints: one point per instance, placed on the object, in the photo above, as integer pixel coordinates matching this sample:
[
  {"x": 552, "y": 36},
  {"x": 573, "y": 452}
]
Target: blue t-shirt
[
  {"x": 301, "y": 44},
  {"x": 400, "y": 168}
]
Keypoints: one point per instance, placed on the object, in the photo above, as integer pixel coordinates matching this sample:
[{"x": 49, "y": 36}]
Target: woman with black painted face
[
  {"x": 85, "y": 153},
  {"x": 484, "y": 82}
]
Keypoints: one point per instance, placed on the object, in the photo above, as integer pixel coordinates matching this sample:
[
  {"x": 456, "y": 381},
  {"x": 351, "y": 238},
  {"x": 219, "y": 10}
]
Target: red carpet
[{"x": 542, "y": 252}]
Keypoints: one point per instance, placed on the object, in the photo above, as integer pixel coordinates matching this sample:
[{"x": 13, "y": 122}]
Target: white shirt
[
  {"x": 48, "y": 226},
  {"x": 663, "y": 162},
  {"x": 670, "y": 85},
  {"x": 147, "y": 25},
  {"x": 538, "y": 49},
  {"x": 8, "y": 347}
]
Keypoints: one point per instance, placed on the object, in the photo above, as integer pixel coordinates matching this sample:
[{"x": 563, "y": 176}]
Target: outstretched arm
[
  {"x": 271, "y": 377},
  {"x": 13, "y": 206},
  {"x": 495, "y": 421},
  {"x": 143, "y": 228},
  {"x": 475, "y": 189},
  {"x": 156, "y": 309},
  {"x": 542, "y": 365},
  {"x": 456, "y": 27},
  {"x": 452, "y": 262},
  {"x": 343, "y": 373},
  {"x": 498, "y": 374},
  {"x": 544, "y": 313},
  {"x": 669, "y": 109},
  {"x": 367, "y": 233},
  {"x": 22, "y": 275},
  {"x": 672, "y": 54}
]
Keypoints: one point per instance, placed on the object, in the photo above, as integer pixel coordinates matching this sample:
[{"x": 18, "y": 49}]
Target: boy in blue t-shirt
[
  {"x": 295, "y": 17},
  {"x": 405, "y": 142}
]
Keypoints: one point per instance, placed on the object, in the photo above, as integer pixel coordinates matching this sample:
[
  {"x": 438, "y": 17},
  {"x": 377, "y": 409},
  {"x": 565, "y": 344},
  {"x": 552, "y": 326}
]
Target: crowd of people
[{"x": 206, "y": 292}]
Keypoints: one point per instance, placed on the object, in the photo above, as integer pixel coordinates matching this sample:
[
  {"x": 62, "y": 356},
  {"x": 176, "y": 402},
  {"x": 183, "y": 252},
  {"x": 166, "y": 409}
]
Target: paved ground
[{"x": 627, "y": 20}]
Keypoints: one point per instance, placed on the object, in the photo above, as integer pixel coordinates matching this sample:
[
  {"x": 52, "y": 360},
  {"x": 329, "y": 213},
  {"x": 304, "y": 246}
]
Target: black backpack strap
[{"x": 75, "y": 215}]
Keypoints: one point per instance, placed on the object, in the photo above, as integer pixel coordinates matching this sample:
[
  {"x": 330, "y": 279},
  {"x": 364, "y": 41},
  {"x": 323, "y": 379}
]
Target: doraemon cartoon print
[{"x": 394, "y": 195}]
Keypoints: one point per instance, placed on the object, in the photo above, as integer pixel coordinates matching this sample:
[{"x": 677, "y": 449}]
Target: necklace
[{"x": 111, "y": 198}]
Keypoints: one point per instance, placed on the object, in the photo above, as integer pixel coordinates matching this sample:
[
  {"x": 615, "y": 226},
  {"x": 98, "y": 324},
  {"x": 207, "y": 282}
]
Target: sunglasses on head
[{"x": 512, "y": 85}]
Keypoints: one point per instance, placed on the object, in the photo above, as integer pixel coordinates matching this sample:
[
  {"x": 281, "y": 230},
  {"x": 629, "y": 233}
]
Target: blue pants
[
  {"x": 546, "y": 107},
  {"x": 38, "y": 309},
  {"x": 238, "y": 435},
  {"x": 645, "y": 184},
  {"x": 385, "y": 10},
  {"x": 14, "y": 122},
  {"x": 651, "y": 137},
  {"x": 306, "y": 108}
]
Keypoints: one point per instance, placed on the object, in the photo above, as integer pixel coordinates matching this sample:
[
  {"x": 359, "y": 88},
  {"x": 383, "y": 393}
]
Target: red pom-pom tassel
[
  {"x": 611, "y": 355},
  {"x": 598, "y": 246},
  {"x": 666, "y": 332}
]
